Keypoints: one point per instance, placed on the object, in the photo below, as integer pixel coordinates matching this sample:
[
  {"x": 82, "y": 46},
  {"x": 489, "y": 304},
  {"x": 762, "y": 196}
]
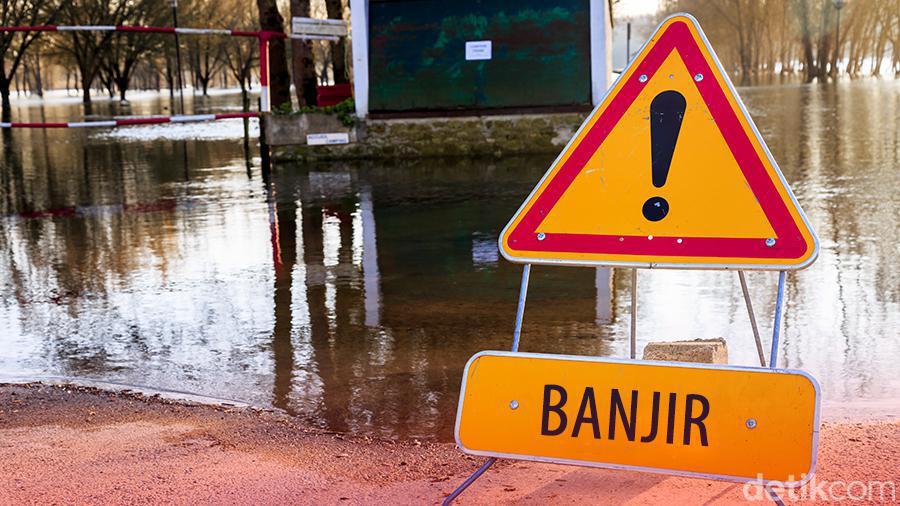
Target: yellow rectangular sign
[{"x": 724, "y": 422}]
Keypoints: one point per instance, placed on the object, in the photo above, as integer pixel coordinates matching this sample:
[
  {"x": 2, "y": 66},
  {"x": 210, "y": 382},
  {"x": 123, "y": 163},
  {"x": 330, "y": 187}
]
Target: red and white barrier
[
  {"x": 152, "y": 120},
  {"x": 147, "y": 29},
  {"x": 262, "y": 35}
]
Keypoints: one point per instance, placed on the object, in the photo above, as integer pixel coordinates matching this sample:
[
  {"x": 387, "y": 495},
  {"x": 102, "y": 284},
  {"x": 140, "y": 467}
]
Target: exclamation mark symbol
[{"x": 666, "y": 114}]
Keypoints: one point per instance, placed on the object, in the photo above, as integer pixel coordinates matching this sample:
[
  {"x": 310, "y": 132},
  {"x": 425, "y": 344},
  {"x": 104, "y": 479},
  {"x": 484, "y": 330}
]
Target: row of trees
[
  {"x": 820, "y": 38},
  {"x": 118, "y": 61}
]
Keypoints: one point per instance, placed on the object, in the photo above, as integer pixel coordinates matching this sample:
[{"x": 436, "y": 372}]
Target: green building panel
[{"x": 540, "y": 54}]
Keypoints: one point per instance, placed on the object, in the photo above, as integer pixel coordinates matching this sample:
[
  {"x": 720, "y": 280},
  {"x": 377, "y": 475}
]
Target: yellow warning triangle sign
[{"x": 668, "y": 171}]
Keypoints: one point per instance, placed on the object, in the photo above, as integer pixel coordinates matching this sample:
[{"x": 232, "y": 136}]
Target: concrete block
[
  {"x": 701, "y": 351},
  {"x": 292, "y": 129}
]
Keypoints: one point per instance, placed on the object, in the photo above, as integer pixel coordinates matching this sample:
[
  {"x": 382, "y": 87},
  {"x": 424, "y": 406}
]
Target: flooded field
[{"x": 352, "y": 294}]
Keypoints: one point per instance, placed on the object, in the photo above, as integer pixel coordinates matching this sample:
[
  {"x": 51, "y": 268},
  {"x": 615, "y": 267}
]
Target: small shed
[{"x": 473, "y": 57}]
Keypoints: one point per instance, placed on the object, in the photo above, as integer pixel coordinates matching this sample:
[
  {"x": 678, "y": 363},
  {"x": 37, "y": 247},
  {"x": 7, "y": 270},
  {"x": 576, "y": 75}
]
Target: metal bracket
[{"x": 633, "y": 354}]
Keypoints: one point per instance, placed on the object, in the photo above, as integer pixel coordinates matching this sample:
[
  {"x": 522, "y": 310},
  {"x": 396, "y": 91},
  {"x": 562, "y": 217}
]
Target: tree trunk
[
  {"x": 6, "y": 113},
  {"x": 304, "y": 70},
  {"x": 38, "y": 82},
  {"x": 835, "y": 54},
  {"x": 86, "y": 94},
  {"x": 743, "y": 57},
  {"x": 303, "y": 66},
  {"x": 279, "y": 77},
  {"x": 245, "y": 97},
  {"x": 335, "y": 10},
  {"x": 122, "y": 85},
  {"x": 110, "y": 87},
  {"x": 880, "y": 47},
  {"x": 824, "y": 45},
  {"x": 170, "y": 79},
  {"x": 806, "y": 39}
]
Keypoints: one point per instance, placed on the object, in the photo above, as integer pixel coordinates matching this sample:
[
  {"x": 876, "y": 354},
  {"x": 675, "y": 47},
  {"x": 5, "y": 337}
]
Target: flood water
[{"x": 352, "y": 294}]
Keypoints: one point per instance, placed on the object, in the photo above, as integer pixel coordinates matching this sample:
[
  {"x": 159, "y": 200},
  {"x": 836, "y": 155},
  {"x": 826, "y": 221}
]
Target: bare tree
[
  {"x": 206, "y": 53},
  {"x": 754, "y": 37},
  {"x": 86, "y": 48},
  {"x": 14, "y": 45},
  {"x": 127, "y": 49},
  {"x": 241, "y": 54},
  {"x": 206, "y": 56},
  {"x": 33, "y": 73}
]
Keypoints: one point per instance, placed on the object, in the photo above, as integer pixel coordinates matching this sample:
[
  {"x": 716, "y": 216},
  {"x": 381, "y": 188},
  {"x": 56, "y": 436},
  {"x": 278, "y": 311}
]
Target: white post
[
  {"x": 601, "y": 49},
  {"x": 359, "y": 40}
]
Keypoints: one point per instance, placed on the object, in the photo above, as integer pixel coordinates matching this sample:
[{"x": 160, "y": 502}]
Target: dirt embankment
[{"x": 68, "y": 444}]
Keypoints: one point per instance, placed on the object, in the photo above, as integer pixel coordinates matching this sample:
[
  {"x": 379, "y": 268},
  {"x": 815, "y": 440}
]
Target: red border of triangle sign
[{"x": 794, "y": 244}]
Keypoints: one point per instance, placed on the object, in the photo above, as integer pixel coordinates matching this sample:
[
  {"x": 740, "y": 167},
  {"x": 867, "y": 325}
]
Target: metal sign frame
[
  {"x": 773, "y": 356},
  {"x": 779, "y": 303},
  {"x": 628, "y": 73}
]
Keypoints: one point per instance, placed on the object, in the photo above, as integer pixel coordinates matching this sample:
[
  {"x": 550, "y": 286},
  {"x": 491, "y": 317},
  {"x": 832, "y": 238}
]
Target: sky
[
  {"x": 631, "y": 11},
  {"x": 630, "y": 8}
]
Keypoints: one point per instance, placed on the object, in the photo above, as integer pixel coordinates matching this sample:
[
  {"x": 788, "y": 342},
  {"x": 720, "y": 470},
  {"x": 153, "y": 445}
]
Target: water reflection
[
  {"x": 352, "y": 294},
  {"x": 357, "y": 352}
]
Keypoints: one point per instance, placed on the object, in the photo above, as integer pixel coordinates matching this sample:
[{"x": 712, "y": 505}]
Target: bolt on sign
[
  {"x": 668, "y": 171},
  {"x": 714, "y": 422}
]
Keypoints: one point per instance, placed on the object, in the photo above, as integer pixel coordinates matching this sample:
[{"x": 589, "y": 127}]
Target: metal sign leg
[
  {"x": 774, "y": 496},
  {"x": 470, "y": 480},
  {"x": 633, "y": 314},
  {"x": 773, "y": 355},
  {"x": 520, "y": 310},
  {"x": 759, "y": 346},
  {"x": 779, "y": 303},
  {"x": 517, "y": 333}
]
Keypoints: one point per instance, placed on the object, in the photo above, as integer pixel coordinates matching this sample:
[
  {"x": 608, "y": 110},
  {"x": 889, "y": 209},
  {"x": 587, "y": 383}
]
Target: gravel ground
[{"x": 67, "y": 444}]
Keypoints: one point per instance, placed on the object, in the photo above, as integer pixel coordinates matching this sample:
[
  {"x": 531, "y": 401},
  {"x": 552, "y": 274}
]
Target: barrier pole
[{"x": 265, "y": 104}]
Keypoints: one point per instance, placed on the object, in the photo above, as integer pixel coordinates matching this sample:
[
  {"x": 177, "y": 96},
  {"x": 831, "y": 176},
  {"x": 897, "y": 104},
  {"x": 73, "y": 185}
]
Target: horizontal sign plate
[
  {"x": 324, "y": 139},
  {"x": 313, "y": 26},
  {"x": 733, "y": 423}
]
